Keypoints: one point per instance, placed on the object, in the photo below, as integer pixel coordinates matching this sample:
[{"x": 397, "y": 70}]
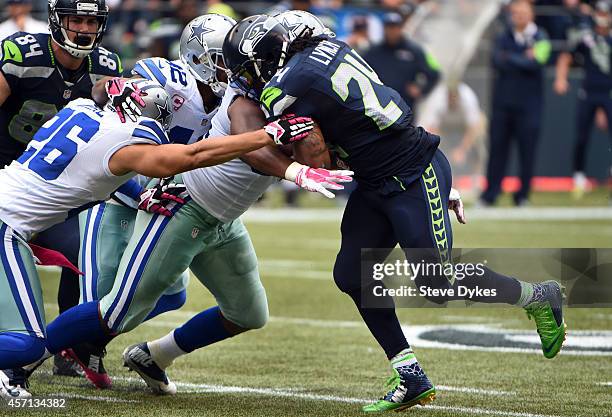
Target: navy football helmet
[{"x": 254, "y": 50}]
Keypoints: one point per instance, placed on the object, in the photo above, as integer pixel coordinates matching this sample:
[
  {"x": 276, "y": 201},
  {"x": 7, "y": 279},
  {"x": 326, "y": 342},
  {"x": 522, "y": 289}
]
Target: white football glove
[
  {"x": 318, "y": 180},
  {"x": 455, "y": 204}
]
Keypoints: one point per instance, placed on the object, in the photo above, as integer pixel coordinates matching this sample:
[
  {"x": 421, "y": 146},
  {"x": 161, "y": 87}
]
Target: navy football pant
[
  {"x": 64, "y": 238},
  {"x": 416, "y": 217},
  {"x": 587, "y": 107}
]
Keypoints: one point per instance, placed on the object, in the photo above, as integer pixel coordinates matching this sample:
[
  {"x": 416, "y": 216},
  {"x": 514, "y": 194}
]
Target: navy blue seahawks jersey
[
  {"x": 366, "y": 122},
  {"x": 40, "y": 87},
  {"x": 596, "y": 54}
]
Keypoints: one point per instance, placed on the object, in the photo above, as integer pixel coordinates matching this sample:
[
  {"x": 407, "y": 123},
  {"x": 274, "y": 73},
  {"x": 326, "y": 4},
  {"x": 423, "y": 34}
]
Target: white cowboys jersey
[
  {"x": 226, "y": 191},
  {"x": 65, "y": 166},
  {"x": 190, "y": 122}
]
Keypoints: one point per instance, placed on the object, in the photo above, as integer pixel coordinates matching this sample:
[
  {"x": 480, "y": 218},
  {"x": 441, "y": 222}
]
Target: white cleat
[
  {"x": 138, "y": 358},
  {"x": 8, "y": 391}
]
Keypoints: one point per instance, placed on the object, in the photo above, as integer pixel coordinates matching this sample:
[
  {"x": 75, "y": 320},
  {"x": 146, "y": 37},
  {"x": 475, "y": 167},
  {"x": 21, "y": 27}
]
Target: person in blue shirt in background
[
  {"x": 520, "y": 54},
  {"x": 402, "y": 64}
]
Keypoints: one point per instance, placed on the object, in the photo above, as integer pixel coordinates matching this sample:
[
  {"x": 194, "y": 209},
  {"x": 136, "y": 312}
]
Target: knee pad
[{"x": 254, "y": 317}]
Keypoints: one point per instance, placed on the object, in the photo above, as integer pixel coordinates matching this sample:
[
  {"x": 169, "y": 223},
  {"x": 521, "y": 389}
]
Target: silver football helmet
[
  {"x": 201, "y": 48},
  {"x": 157, "y": 104},
  {"x": 300, "y": 22}
]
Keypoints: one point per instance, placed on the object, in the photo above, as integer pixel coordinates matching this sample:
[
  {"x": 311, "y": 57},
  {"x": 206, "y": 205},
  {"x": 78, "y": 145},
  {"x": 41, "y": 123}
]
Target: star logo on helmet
[
  {"x": 199, "y": 32},
  {"x": 164, "y": 112},
  {"x": 291, "y": 26}
]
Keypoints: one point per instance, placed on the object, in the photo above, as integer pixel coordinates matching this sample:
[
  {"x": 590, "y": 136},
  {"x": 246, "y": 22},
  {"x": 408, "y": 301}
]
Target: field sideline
[{"x": 316, "y": 358}]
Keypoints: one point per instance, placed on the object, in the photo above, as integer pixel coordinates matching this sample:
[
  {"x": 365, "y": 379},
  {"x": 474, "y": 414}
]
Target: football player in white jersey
[
  {"x": 205, "y": 235},
  {"x": 106, "y": 228},
  {"x": 228, "y": 265},
  {"x": 78, "y": 157}
]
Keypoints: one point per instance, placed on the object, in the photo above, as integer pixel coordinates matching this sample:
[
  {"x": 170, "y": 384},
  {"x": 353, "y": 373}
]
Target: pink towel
[{"x": 49, "y": 257}]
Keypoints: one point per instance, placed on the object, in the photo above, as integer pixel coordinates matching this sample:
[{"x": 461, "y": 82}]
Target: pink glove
[
  {"x": 125, "y": 97},
  {"x": 318, "y": 180},
  {"x": 289, "y": 128},
  {"x": 160, "y": 198}
]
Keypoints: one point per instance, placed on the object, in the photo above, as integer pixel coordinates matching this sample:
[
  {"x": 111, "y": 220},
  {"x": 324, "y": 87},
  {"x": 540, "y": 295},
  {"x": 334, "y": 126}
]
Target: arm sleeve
[
  {"x": 11, "y": 59},
  {"x": 149, "y": 132}
]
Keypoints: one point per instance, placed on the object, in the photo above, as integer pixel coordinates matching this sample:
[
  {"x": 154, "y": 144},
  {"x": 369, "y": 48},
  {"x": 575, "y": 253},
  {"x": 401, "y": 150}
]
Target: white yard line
[
  {"x": 293, "y": 393},
  {"x": 605, "y": 384},
  {"x": 92, "y": 397},
  {"x": 261, "y": 215}
]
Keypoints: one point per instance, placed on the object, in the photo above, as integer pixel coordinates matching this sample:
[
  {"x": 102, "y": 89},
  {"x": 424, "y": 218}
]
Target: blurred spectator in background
[
  {"x": 20, "y": 20},
  {"x": 593, "y": 48},
  {"x": 165, "y": 33},
  {"x": 519, "y": 56},
  {"x": 402, "y": 64},
  {"x": 448, "y": 106},
  {"x": 359, "y": 39},
  {"x": 219, "y": 7},
  {"x": 285, "y": 5}
]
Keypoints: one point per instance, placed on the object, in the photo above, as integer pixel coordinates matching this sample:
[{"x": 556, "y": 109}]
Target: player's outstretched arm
[
  {"x": 166, "y": 160},
  {"x": 246, "y": 116}
]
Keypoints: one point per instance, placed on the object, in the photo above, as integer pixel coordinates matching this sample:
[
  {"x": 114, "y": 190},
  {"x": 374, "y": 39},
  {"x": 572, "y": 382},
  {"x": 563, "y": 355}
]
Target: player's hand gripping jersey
[
  {"x": 65, "y": 166},
  {"x": 40, "y": 87},
  {"x": 332, "y": 84}
]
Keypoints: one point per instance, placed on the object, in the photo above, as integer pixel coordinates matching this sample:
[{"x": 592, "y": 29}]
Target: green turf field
[{"x": 315, "y": 358}]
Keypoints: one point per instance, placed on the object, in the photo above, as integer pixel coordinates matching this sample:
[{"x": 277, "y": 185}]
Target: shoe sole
[
  {"x": 427, "y": 398},
  {"x": 563, "y": 290},
  {"x": 132, "y": 366},
  {"x": 100, "y": 381}
]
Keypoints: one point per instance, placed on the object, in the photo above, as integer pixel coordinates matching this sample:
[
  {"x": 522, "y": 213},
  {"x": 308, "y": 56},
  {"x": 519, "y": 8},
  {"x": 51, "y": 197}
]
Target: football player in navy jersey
[
  {"x": 39, "y": 74},
  {"x": 404, "y": 183}
]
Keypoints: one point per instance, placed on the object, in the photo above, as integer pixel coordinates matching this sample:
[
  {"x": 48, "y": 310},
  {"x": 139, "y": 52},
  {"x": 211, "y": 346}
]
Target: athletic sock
[
  {"x": 18, "y": 349},
  {"x": 77, "y": 325},
  {"x": 167, "y": 303},
  {"x": 165, "y": 350},
  {"x": 529, "y": 293},
  {"x": 201, "y": 330}
]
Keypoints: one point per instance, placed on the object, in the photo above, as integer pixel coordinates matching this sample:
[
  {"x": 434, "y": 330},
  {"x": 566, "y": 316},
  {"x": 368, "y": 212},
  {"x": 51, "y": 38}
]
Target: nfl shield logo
[
  {"x": 124, "y": 225},
  {"x": 195, "y": 232},
  {"x": 67, "y": 94}
]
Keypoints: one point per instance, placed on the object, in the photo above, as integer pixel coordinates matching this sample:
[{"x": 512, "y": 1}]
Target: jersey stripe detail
[
  {"x": 27, "y": 72},
  {"x": 147, "y": 69},
  {"x": 155, "y": 127},
  {"x": 19, "y": 282},
  {"x": 149, "y": 132}
]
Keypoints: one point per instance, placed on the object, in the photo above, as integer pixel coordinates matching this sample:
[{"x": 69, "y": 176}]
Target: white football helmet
[
  {"x": 157, "y": 101},
  {"x": 201, "y": 48},
  {"x": 299, "y": 23}
]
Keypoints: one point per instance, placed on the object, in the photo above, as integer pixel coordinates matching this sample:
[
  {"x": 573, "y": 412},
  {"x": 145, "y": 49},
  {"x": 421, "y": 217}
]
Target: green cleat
[
  {"x": 547, "y": 312},
  {"x": 409, "y": 386}
]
